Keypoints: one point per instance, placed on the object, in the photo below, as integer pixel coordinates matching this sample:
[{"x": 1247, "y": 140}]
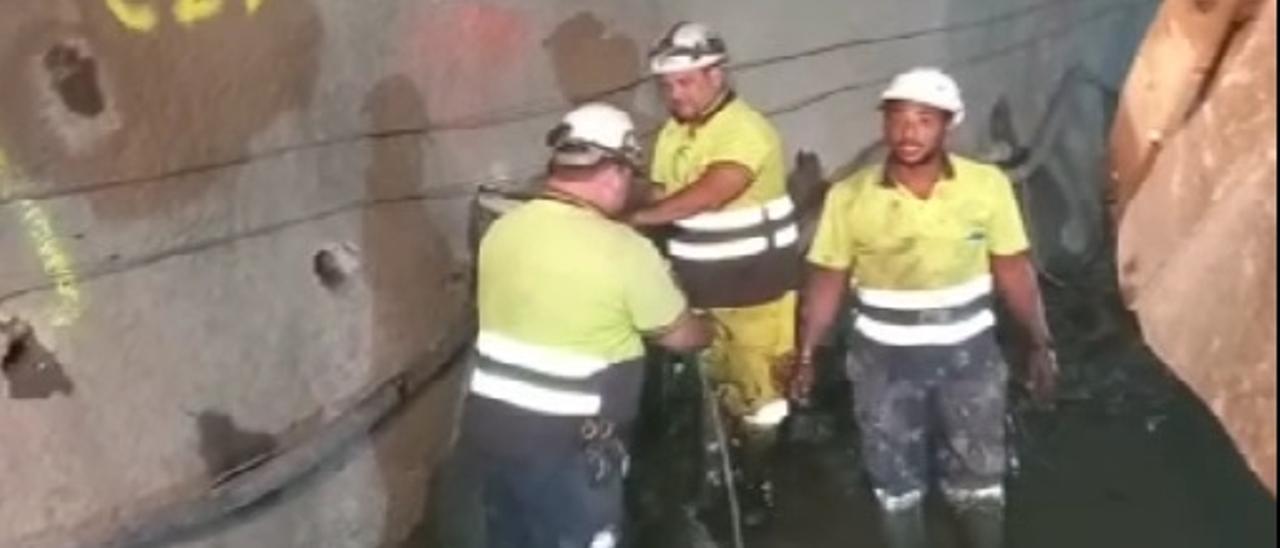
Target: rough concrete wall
[
  {"x": 1197, "y": 243},
  {"x": 174, "y": 168},
  {"x": 224, "y": 221}
]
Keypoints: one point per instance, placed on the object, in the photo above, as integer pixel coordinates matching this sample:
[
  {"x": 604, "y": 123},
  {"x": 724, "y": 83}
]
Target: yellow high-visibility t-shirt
[
  {"x": 888, "y": 238},
  {"x": 565, "y": 278},
  {"x": 736, "y": 134}
]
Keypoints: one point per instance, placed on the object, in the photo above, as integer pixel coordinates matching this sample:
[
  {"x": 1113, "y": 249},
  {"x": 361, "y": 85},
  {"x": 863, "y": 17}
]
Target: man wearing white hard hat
[
  {"x": 721, "y": 168},
  {"x": 567, "y": 295},
  {"x": 927, "y": 242}
]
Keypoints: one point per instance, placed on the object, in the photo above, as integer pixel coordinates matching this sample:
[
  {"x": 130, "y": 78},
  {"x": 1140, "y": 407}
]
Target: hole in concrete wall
[
  {"x": 30, "y": 369},
  {"x": 74, "y": 76},
  {"x": 335, "y": 265},
  {"x": 225, "y": 447}
]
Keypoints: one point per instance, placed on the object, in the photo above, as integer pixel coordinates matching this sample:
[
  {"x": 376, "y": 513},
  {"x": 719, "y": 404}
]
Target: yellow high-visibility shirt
[
  {"x": 566, "y": 279},
  {"x": 888, "y": 238},
  {"x": 736, "y": 133}
]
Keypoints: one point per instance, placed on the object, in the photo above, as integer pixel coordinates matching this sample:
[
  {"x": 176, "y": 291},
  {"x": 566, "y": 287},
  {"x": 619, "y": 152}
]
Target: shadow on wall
[
  {"x": 30, "y": 369},
  {"x": 593, "y": 62},
  {"x": 416, "y": 289},
  {"x": 165, "y": 107},
  {"x": 224, "y": 447},
  {"x": 1060, "y": 171}
]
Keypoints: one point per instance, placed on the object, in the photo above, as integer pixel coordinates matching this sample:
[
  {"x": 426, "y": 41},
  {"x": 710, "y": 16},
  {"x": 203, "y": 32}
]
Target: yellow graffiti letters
[
  {"x": 142, "y": 16},
  {"x": 190, "y": 12},
  {"x": 134, "y": 15}
]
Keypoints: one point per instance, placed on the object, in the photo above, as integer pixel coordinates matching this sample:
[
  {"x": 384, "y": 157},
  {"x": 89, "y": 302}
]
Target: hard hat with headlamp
[{"x": 688, "y": 46}]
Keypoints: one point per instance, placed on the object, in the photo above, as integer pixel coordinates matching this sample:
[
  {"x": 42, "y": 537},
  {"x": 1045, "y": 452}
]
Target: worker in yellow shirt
[
  {"x": 927, "y": 242},
  {"x": 567, "y": 294},
  {"x": 720, "y": 168}
]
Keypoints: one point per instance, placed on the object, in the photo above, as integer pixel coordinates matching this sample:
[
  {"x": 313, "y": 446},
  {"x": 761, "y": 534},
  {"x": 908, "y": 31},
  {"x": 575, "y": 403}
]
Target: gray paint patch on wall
[{"x": 30, "y": 369}]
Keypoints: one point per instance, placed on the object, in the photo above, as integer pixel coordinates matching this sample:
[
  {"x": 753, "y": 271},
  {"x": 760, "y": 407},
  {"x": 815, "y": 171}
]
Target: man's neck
[
  {"x": 723, "y": 98},
  {"x": 556, "y": 192},
  {"x": 920, "y": 179}
]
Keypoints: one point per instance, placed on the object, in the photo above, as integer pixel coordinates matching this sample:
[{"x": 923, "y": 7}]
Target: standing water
[{"x": 1129, "y": 459}]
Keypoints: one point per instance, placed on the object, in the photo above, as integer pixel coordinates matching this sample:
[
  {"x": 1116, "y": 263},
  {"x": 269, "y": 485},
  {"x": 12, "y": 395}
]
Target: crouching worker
[{"x": 567, "y": 295}]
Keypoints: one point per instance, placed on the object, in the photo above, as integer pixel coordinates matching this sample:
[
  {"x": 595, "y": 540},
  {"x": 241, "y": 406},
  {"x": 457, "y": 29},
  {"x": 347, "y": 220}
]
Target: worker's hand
[
  {"x": 802, "y": 378},
  {"x": 1042, "y": 375}
]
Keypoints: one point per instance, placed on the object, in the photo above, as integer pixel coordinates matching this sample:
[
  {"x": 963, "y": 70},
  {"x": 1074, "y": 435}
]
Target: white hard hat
[
  {"x": 928, "y": 86},
  {"x": 688, "y": 46},
  {"x": 593, "y": 133}
]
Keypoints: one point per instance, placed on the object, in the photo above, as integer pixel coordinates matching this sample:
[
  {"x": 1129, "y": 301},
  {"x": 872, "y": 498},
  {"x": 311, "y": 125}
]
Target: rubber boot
[
  {"x": 905, "y": 528},
  {"x": 982, "y": 524}
]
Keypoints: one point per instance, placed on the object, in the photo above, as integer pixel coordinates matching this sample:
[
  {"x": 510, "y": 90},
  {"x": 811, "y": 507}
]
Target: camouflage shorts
[{"x": 931, "y": 414}]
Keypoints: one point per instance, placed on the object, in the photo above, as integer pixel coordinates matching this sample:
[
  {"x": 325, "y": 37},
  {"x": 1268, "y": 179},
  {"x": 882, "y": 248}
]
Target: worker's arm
[
  {"x": 831, "y": 261},
  {"x": 820, "y": 306},
  {"x": 1019, "y": 289},
  {"x": 721, "y": 184},
  {"x": 688, "y": 334},
  {"x": 657, "y": 307},
  {"x": 652, "y": 191}
]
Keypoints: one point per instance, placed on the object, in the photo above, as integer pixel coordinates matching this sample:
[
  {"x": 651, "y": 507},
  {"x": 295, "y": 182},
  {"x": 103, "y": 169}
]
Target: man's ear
[{"x": 718, "y": 75}]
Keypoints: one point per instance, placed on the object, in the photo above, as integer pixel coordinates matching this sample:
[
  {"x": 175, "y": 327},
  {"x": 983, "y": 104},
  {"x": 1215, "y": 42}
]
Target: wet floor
[{"x": 1130, "y": 459}]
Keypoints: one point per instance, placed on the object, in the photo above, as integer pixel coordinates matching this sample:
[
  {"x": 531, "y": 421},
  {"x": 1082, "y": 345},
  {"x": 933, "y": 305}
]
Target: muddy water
[{"x": 1130, "y": 459}]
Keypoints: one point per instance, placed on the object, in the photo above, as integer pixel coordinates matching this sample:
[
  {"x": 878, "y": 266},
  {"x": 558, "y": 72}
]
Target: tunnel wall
[{"x": 223, "y": 224}]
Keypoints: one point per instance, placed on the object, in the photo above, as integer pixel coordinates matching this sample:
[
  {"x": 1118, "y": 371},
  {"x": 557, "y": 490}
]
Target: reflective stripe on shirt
[
  {"x": 737, "y": 219},
  {"x": 734, "y": 249},
  {"x": 539, "y": 359},
  {"x": 532, "y": 397},
  {"x": 934, "y": 317}
]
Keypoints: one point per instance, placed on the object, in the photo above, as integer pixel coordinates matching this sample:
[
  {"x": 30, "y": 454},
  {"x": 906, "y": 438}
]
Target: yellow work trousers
[{"x": 750, "y": 344}]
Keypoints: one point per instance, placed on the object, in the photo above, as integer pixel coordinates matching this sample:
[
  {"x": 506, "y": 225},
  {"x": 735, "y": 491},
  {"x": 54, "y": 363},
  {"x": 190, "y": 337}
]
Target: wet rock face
[{"x": 1197, "y": 246}]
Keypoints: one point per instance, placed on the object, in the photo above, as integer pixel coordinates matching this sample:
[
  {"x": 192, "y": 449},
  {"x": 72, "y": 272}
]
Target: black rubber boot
[
  {"x": 905, "y": 528},
  {"x": 982, "y": 524}
]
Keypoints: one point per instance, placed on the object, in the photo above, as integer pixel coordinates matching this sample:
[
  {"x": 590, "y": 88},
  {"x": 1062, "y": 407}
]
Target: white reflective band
[
  {"x": 899, "y": 503},
  {"x": 958, "y": 295},
  {"x": 726, "y": 220},
  {"x": 735, "y": 249},
  {"x": 738, "y": 219},
  {"x": 547, "y": 401},
  {"x": 770, "y": 415},
  {"x": 539, "y": 359},
  {"x": 779, "y": 209},
  {"x": 994, "y": 493},
  {"x": 787, "y": 236},
  {"x": 605, "y": 539},
  {"x": 926, "y": 335}
]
